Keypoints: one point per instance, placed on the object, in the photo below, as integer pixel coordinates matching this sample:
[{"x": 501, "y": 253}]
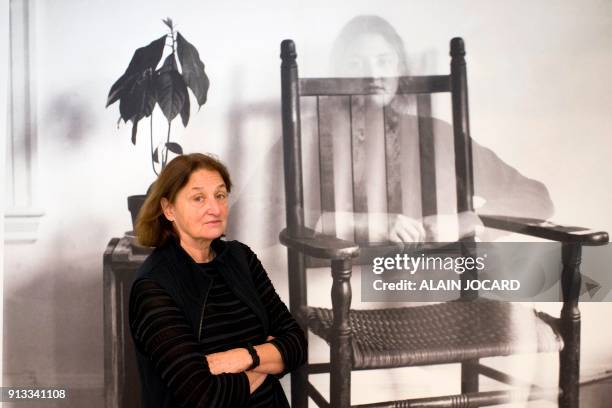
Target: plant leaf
[
  {"x": 117, "y": 90},
  {"x": 174, "y": 147},
  {"x": 169, "y": 64},
  {"x": 144, "y": 58},
  {"x": 149, "y": 104},
  {"x": 147, "y": 57},
  {"x": 134, "y": 130},
  {"x": 138, "y": 102},
  {"x": 193, "y": 69},
  {"x": 130, "y": 102},
  {"x": 135, "y": 102},
  {"x": 168, "y": 21},
  {"x": 156, "y": 155},
  {"x": 170, "y": 89},
  {"x": 185, "y": 111}
]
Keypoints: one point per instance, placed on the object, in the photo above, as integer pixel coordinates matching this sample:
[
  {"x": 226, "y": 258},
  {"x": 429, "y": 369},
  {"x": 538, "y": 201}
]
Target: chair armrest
[
  {"x": 545, "y": 229},
  {"x": 318, "y": 245}
]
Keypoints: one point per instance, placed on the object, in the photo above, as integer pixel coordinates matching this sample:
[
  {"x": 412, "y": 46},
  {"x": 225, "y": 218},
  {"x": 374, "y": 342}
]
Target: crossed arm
[
  {"x": 238, "y": 360},
  {"x": 284, "y": 350}
]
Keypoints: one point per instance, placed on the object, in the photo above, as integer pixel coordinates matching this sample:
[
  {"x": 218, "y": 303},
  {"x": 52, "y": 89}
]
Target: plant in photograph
[{"x": 143, "y": 86}]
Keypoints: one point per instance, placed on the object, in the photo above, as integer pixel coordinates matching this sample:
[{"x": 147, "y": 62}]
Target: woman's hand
[
  {"x": 404, "y": 229},
  {"x": 451, "y": 227},
  {"x": 255, "y": 379},
  {"x": 231, "y": 361}
]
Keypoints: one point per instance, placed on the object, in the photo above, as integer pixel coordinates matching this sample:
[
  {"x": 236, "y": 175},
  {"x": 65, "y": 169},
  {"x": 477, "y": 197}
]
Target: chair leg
[
  {"x": 299, "y": 393},
  {"x": 469, "y": 376},
  {"x": 340, "y": 377},
  {"x": 340, "y": 351},
  {"x": 569, "y": 358},
  {"x": 569, "y": 364}
]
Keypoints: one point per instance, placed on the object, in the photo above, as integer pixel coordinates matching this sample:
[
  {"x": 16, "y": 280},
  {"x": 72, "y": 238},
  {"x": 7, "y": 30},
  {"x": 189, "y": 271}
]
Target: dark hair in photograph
[{"x": 367, "y": 24}]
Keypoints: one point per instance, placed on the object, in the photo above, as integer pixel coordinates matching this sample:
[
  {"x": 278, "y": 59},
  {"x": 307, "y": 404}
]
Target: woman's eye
[
  {"x": 221, "y": 196},
  {"x": 198, "y": 199}
]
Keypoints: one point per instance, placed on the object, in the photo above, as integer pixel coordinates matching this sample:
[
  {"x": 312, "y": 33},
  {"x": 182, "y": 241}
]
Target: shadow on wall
[
  {"x": 73, "y": 116},
  {"x": 53, "y": 287},
  {"x": 258, "y": 210},
  {"x": 53, "y": 314}
]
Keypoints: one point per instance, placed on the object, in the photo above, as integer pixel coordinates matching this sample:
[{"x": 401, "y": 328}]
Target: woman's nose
[
  {"x": 214, "y": 207},
  {"x": 367, "y": 69}
]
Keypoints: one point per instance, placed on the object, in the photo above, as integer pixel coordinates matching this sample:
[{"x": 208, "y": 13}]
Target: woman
[
  {"x": 368, "y": 46},
  {"x": 208, "y": 326}
]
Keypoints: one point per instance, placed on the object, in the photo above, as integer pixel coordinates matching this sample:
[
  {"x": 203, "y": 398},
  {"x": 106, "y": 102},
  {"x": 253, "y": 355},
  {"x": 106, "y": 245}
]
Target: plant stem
[
  {"x": 151, "y": 133},
  {"x": 165, "y": 154},
  {"x": 166, "y": 150},
  {"x": 172, "y": 36}
]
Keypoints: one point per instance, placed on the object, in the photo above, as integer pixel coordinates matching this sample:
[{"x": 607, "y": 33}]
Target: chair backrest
[{"x": 353, "y": 101}]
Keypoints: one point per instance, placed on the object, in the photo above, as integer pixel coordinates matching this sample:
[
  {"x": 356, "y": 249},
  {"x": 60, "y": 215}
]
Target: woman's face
[
  {"x": 199, "y": 213},
  {"x": 370, "y": 55}
]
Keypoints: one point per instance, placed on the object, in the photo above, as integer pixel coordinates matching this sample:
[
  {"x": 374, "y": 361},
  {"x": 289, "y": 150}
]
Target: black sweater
[{"x": 175, "y": 347}]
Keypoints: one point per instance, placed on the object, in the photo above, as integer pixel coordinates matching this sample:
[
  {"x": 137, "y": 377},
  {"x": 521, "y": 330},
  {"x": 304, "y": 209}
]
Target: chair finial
[
  {"x": 288, "y": 50},
  {"x": 457, "y": 47}
]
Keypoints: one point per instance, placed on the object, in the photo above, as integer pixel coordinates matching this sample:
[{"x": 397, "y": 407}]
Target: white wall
[
  {"x": 4, "y": 68},
  {"x": 539, "y": 97}
]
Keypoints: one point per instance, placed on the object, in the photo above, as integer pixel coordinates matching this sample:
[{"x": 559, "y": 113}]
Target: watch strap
[{"x": 254, "y": 356}]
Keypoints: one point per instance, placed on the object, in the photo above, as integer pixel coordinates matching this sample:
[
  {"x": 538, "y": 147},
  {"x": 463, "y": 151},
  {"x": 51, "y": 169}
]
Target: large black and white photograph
[{"x": 306, "y": 204}]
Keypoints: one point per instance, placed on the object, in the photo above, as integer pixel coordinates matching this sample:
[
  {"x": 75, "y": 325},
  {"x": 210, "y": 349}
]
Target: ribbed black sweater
[{"x": 162, "y": 332}]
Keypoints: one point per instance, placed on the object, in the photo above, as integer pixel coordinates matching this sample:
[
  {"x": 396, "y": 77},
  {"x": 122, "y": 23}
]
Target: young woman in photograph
[{"x": 368, "y": 46}]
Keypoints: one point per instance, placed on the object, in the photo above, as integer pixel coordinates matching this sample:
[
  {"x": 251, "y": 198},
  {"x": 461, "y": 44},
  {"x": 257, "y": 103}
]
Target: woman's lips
[
  {"x": 214, "y": 222},
  {"x": 377, "y": 89}
]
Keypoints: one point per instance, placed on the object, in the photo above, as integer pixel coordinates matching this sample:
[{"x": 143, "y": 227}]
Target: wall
[{"x": 538, "y": 97}]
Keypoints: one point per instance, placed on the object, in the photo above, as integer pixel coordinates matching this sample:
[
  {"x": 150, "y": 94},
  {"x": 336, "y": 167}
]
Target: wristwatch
[{"x": 254, "y": 356}]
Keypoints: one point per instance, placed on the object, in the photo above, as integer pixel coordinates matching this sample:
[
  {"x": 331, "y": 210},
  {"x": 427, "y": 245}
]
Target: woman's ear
[{"x": 167, "y": 209}]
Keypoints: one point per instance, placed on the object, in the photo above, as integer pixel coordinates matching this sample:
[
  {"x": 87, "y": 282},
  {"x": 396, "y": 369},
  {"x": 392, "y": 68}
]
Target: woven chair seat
[{"x": 440, "y": 333}]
